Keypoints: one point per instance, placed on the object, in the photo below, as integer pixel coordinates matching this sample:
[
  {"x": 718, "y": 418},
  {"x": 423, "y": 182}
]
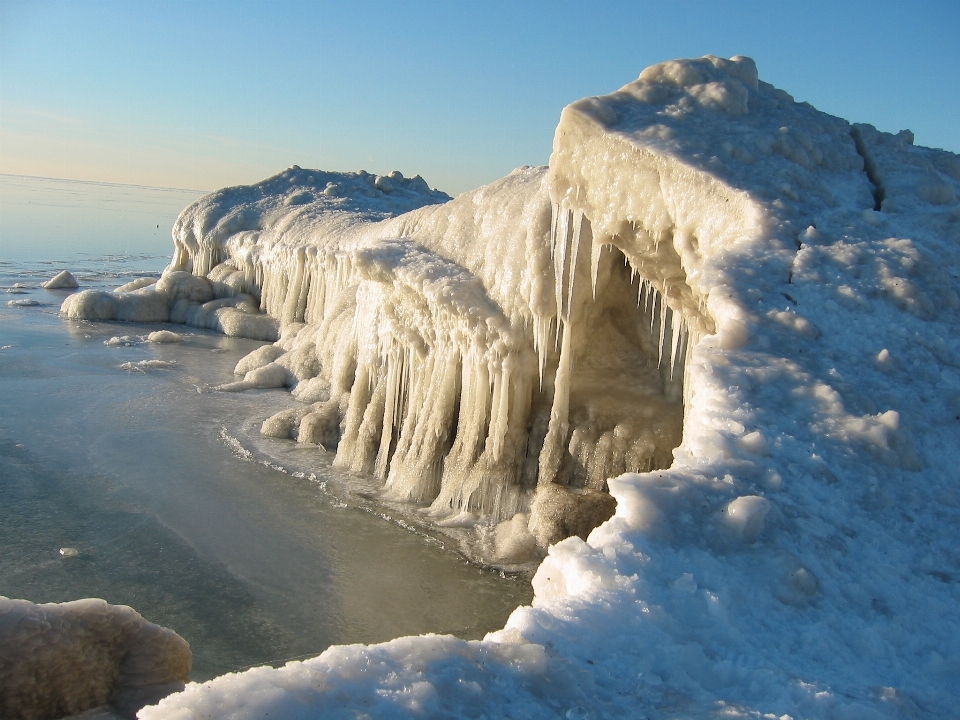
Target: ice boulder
[
  {"x": 63, "y": 280},
  {"x": 60, "y": 659}
]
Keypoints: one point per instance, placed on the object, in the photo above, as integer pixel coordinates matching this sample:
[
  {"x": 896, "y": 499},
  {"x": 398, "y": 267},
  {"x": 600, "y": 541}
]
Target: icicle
[
  {"x": 574, "y": 252},
  {"x": 541, "y": 334},
  {"x": 663, "y": 327},
  {"x": 596, "y": 249},
  {"x": 499, "y": 410},
  {"x": 391, "y": 409},
  {"x": 561, "y": 247},
  {"x": 554, "y": 218},
  {"x": 676, "y": 328},
  {"x": 653, "y": 308}
]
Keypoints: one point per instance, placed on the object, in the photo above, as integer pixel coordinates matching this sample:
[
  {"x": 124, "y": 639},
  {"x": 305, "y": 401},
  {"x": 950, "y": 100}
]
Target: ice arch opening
[
  {"x": 625, "y": 391},
  {"x": 623, "y": 340}
]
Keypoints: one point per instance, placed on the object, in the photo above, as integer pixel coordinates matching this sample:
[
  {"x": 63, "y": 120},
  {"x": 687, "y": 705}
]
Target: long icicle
[
  {"x": 574, "y": 252},
  {"x": 596, "y": 249},
  {"x": 676, "y": 328},
  {"x": 663, "y": 328}
]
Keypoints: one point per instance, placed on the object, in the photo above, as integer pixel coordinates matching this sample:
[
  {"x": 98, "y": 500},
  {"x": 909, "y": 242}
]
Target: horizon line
[{"x": 103, "y": 182}]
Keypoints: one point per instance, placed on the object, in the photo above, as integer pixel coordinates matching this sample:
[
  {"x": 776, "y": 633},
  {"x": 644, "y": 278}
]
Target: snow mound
[
  {"x": 62, "y": 659},
  {"x": 64, "y": 280},
  {"x": 715, "y": 343}
]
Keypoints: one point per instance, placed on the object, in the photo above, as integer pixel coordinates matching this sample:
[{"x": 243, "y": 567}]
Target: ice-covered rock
[
  {"x": 63, "y": 280},
  {"x": 60, "y": 659}
]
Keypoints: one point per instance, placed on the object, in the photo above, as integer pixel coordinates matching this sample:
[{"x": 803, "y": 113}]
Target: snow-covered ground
[{"x": 701, "y": 247}]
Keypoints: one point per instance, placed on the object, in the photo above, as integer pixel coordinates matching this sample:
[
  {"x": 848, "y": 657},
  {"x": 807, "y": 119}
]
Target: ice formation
[
  {"x": 62, "y": 659},
  {"x": 64, "y": 280},
  {"x": 736, "y": 313},
  {"x": 444, "y": 349}
]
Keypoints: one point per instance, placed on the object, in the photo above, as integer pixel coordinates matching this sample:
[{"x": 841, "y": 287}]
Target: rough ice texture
[
  {"x": 62, "y": 659},
  {"x": 793, "y": 308}
]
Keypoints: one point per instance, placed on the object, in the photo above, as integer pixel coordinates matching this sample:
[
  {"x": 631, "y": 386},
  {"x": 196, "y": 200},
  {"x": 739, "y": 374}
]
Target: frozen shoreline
[{"x": 797, "y": 559}]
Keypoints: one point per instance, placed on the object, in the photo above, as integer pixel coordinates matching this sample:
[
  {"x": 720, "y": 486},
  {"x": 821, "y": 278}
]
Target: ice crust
[
  {"x": 702, "y": 255},
  {"x": 60, "y": 659}
]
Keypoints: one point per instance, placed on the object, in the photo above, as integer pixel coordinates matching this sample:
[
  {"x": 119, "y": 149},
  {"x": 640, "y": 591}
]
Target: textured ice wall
[
  {"x": 798, "y": 559},
  {"x": 441, "y": 355},
  {"x": 62, "y": 659},
  {"x": 436, "y": 349}
]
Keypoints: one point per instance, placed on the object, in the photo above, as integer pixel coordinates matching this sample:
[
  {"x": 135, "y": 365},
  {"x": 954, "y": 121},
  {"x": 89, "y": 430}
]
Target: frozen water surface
[{"x": 162, "y": 490}]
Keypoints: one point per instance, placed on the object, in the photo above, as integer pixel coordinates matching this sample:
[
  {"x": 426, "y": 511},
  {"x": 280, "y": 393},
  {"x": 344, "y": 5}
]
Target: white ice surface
[{"x": 799, "y": 557}]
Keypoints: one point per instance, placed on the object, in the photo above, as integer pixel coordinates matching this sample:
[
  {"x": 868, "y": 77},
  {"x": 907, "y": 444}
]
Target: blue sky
[{"x": 202, "y": 94}]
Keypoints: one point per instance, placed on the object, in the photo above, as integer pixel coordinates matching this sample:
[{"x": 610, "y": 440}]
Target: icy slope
[{"x": 797, "y": 285}]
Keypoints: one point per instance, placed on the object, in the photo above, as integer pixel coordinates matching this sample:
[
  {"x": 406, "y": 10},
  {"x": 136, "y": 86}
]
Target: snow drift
[
  {"x": 734, "y": 314},
  {"x": 60, "y": 659}
]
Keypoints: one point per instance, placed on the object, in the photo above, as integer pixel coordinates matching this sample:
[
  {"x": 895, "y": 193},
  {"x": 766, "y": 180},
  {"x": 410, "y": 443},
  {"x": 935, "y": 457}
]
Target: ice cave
[{"x": 705, "y": 362}]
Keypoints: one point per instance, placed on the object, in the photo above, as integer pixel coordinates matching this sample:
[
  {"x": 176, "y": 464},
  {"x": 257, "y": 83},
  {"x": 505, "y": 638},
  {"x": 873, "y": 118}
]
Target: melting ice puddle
[{"x": 249, "y": 564}]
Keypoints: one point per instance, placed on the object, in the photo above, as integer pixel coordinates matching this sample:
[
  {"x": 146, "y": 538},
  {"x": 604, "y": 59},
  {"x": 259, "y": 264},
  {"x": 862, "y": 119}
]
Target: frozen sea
[{"x": 255, "y": 551}]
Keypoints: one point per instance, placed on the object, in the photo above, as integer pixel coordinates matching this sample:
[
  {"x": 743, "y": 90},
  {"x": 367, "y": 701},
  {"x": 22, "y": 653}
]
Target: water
[
  {"x": 175, "y": 505},
  {"x": 44, "y": 219}
]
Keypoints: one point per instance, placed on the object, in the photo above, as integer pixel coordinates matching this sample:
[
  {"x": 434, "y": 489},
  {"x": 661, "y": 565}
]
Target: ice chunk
[
  {"x": 746, "y": 516},
  {"x": 63, "y": 280},
  {"x": 164, "y": 336},
  {"x": 123, "y": 340},
  {"x": 258, "y": 358},
  {"x": 62, "y": 659}
]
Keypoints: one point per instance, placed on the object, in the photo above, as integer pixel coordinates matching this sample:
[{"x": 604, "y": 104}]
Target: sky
[{"x": 202, "y": 94}]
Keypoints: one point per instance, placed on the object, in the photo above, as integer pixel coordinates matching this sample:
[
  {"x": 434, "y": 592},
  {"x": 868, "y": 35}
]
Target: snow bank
[
  {"x": 62, "y": 659},
  {"x": 735, "y": 314}
]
